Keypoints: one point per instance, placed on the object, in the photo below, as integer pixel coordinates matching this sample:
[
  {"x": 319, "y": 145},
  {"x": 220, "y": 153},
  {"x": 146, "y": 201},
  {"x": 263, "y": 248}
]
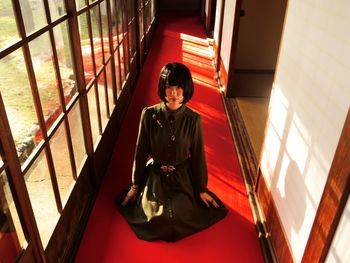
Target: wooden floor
[
  {"x": 247, "y": 117},
  {"x": 254, "y": 114}
]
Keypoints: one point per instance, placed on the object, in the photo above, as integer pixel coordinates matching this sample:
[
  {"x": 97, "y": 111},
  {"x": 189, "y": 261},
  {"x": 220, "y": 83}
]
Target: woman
[{"x": 168, "y": 198}]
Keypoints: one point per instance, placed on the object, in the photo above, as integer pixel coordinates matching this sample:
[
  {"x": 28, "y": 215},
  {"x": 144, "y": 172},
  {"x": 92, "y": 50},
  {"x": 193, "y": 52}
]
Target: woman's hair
[{"x": 175, "y": 74}]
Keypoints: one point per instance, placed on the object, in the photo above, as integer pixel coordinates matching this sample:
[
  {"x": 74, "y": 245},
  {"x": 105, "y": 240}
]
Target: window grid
[
  {"x": 63, "y": 106},
  {"x": 124, "y": 42},
  {"x": 103, "y": 59},
  {"x": 94, "y": 81},
  {"x": 116, "y": 49},
  {"x": 38, "y": 108},
  {"x": 49, "y": 28},
  {"x": 131, "y": 30},
  {"x": 118, "y": 56},
  {"x": 111, "y": 53},
  {"x": 7, "y": 148}
]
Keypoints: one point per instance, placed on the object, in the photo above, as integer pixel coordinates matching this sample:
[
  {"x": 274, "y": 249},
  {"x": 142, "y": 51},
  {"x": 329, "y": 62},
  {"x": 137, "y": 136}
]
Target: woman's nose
[{"x": 173, "y": 91}]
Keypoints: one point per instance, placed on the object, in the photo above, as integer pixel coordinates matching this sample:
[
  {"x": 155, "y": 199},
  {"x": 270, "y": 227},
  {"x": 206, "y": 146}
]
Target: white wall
[
  {"x": 227, "y": 31},
  {"x": 308, "y": 106}
]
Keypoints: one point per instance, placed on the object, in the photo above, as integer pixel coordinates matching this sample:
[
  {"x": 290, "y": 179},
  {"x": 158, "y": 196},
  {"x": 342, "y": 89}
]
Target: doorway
[
  {"x": 253, "y": 63},
  {"x": 208, "y": 12}
]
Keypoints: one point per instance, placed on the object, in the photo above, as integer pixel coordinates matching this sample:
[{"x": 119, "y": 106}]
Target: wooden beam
[{"x": 333, "y": 201}]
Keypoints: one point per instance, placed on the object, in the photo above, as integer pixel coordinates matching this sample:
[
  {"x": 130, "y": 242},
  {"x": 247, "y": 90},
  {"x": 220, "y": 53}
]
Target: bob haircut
[{"x": 175, "y": 74}]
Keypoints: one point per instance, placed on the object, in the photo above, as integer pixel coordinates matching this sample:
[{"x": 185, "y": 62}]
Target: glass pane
[
  {"x": 125, "y": 22},
  {"x": 41, "y": 53},
  {"x": 114, "y": 23},
  {"x": 126, "y": 56},
  {"x": 132, "y": 7},
  {"x": 109, "y": 73},
  {"x": 119, "y": 19},
  {"x": 132, "y": 39},
  {"x": 122, "y": 70},
  {"x": 12, "y": 239},
  {"x": 80, "y": 4},
  {"x": 33, "y": 13},
  {"x": 105, "y": 35},
  {"x": 60, "y": 155},
  {"x": 43, "y": 201},
  {"x": 141, "y": 31},
  {"x": 153, "y": 9},
  {"x": 102, "y": 98},
  {"x": 57, "y": 9},
  {"x": 19, "y": 105},
  {"x": 96, "y": 37},
  {"x": 128, "y": 9},
  {"x": 149, "y": 13},
  {"x": 86, "y": 48},
  {"x": 117, "y": 73},
  {"x": 146, "y": 17},
  {"x": 140, "y": 4},
  {"x": 8, "y": 27},
  {"x": 77, "y": 136},
  {"x": 93, "y": 114},
  {"x": 65, "y": 61}
]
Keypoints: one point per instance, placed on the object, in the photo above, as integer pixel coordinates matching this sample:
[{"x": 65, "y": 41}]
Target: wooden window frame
[{"x": 10, "y": 160}]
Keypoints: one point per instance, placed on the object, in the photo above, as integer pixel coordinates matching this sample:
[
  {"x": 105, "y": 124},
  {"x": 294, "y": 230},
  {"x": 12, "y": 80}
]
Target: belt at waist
[{"x": 169, "y": 168}]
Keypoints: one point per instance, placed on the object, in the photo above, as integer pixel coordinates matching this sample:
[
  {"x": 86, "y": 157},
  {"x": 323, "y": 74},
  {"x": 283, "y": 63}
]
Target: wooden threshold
[{"x": 249, "y": 167}]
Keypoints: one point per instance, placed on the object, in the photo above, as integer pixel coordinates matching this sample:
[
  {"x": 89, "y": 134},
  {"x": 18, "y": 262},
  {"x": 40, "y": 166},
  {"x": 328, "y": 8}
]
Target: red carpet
[{"x": 108, "y": 238}]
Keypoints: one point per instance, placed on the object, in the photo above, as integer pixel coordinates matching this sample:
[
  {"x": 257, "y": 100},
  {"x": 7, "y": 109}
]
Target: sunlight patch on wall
[
  {"x": 298, "y": 143},
  {"x": 278, "y": 112},
  {"x": 312, "y": 75},
  {"x": 275, "y": 126}
]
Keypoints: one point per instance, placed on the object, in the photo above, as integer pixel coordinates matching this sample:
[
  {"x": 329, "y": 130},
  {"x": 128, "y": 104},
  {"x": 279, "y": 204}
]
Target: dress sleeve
[
  {"x": 142, "y": 149},
  {"x": 198, "y": 162}
]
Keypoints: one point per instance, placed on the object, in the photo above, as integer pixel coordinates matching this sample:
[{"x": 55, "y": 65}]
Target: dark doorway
[
  {"x": 212, "y": 16},
  {"x": 253, "y": 62}
]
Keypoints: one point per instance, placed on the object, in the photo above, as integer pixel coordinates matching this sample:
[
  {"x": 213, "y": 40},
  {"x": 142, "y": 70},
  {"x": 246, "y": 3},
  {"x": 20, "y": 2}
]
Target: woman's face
[{"x": 174, "y": 95}]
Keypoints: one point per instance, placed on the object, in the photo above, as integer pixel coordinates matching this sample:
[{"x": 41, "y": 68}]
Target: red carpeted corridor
[{"x": 108, "y": 238}]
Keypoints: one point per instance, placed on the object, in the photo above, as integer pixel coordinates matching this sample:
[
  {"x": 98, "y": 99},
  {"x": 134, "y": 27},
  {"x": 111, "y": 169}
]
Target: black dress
[{"x": 168, "y": 206}]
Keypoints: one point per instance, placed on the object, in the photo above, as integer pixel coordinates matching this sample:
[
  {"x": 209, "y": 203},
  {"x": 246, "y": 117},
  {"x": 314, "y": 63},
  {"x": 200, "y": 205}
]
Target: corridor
[
  {"x": 107, "y": 237},
  {"x": 270, "y": 82}
]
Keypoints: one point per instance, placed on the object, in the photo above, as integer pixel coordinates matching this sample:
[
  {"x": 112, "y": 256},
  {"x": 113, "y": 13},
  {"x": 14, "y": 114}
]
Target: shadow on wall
[
  {"x": 295, "y": 160},
  {"x": 292, "y": 199}
]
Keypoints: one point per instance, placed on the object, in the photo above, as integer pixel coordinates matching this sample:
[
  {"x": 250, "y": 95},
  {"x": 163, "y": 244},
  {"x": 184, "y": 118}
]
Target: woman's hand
[
  {"x": 207, "y": 200},
  {"x": 131, "y": 195}
]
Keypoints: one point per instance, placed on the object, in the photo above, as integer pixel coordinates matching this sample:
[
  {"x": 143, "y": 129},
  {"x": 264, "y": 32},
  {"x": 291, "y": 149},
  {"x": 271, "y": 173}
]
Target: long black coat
[{"x": 168, "y": 206}]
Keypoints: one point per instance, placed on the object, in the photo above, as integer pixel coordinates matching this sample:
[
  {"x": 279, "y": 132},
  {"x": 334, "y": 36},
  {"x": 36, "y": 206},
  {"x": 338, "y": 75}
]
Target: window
[
  {"x": 42, "y": 87},
  {"x": 12, "y": 239}
]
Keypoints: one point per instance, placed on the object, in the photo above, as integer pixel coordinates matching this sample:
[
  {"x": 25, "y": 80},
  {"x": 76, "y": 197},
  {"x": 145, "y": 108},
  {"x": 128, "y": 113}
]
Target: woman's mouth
[{"x": 174, "y": 99}]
